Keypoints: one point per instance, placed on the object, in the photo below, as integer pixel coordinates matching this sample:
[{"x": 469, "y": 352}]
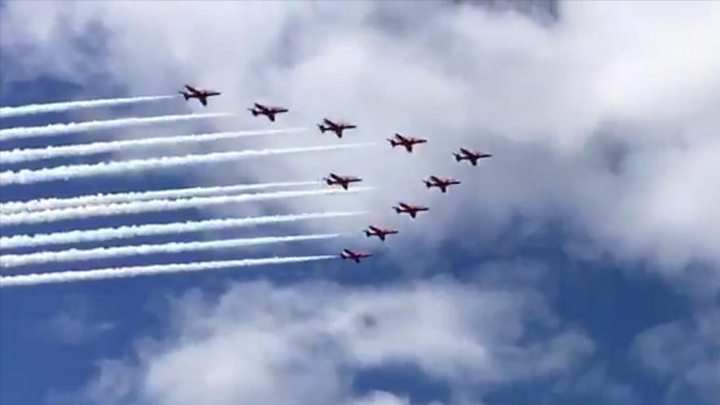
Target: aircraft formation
[{"x": 407, "y": 142}]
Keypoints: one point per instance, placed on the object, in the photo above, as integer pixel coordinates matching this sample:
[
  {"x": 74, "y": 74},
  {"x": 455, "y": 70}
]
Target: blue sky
[{"x": 578, "y": 266}]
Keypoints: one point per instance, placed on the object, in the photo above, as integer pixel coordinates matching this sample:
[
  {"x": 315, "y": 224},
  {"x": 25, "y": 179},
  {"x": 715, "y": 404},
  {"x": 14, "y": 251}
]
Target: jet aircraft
[
  {"x": 406, "y": 142},
  {"x": 379, "y": 232},
  {"x": 472, "y": 156},
  {"x": 269, "y": 111},
  {"x": 336, "y": 127},
  {"x": 440, "y": 182},
  {"x": 343, "y": 181},
  {"x": 352, "y": 255},
  {"x": 412, "y": 210},
  {"x": 200, "y": 94}
]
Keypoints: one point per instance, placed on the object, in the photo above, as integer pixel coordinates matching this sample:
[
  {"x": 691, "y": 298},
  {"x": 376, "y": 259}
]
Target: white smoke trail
[
  {"x": 106, "y": 168},
  {"x": 50, "y": 152},
  {"x": 36, "y": 217},
  {"x": 58, "y": 203},
  {"x": 59, "y": 129},
  {"x": 122, "y": 272},
  {"x": 71, "y": 255},
  {"x": 73, "y": 105},
  {"x": 133, "y": 231}
]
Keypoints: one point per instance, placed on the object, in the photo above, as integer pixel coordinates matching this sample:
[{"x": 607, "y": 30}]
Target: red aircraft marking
[
  {"x": 336, "y": 127},
  {"x": 343, "y": 181},
  {"x": 406, "y": 142},
  {"x": 200, "y": 94},
  {"x": 471, "y": 156},
  {"x": 266, "y": 110},
  {"x": 440, "y": 182},
  {"x": 352, "y": 255},
  {"x": 379, "y": 232},
  {"x": 412, "y": 210}
]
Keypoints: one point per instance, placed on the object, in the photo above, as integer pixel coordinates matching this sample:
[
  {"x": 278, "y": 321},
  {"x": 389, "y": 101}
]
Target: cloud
[
  {"x": 605, "y": 120},
  {"x": 75, "y": 323},
  {"x": 258, "y": 343},
  {"x": 685, "y": 357}
]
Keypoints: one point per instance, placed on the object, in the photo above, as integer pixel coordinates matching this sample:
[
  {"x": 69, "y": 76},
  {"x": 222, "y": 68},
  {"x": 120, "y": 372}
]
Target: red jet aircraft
[
  {"x": 379, "y": 232},
  {"x": 412, "y": 210},
  {"x": 343, "y": 181},
  {"x": 356, "y": 256},
  {"x": 439, "y": 182},
  {"x": 269, "y": 111},
  {"x": 337, "y": 127},
  {"x": 201, "y": 95},
  {"x": 406, "y": 142},
  {"x": 472, "y": 156}
]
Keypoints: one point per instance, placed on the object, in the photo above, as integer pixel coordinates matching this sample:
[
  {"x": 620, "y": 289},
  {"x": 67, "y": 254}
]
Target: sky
[{"x": 579, "y": 265}]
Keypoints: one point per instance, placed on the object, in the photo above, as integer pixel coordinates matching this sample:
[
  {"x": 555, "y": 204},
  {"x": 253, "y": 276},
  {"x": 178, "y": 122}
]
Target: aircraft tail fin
[
  {"x": 457, "y": 157},
  {"x": 321, "y": 128},
  {"x": 427, "y": 184},
  {"x": 185, "y": 95},
  {"x": 367, "y": 234},
  {"x": 253, "y": 111}
]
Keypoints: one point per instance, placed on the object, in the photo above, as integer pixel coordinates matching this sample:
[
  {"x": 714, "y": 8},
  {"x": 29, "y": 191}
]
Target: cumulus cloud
[
  {"x": 75, "y": 324},
  {"x": 606, "y": 120},
  {"x": 685, "y": 356},
  {"x": 258, "y": 343}
]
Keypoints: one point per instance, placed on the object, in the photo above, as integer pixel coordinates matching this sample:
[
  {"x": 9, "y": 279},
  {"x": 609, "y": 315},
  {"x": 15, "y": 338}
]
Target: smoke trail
[
  {"x": 72, "y": 105},
  {"x": 59, "y": 129},
  {"x": 106, "y": 168},
  {"x": 133, "y": 231},
  {"x": 25, "y": 155},
  {"x": 71, "y": 255},
  {"x": 58, "y": 203},
  {"x": 36, "y": 217},
  {"x": 122, "y": 272}
]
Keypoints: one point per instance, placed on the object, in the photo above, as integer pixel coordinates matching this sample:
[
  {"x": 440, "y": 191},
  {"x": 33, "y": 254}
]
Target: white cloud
[
  {"x": 607, "y": 120},
  {"x": 258, "y": 343},
  {"x": 685, "y": 355},
  {"x": 75, "y": 324}
]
